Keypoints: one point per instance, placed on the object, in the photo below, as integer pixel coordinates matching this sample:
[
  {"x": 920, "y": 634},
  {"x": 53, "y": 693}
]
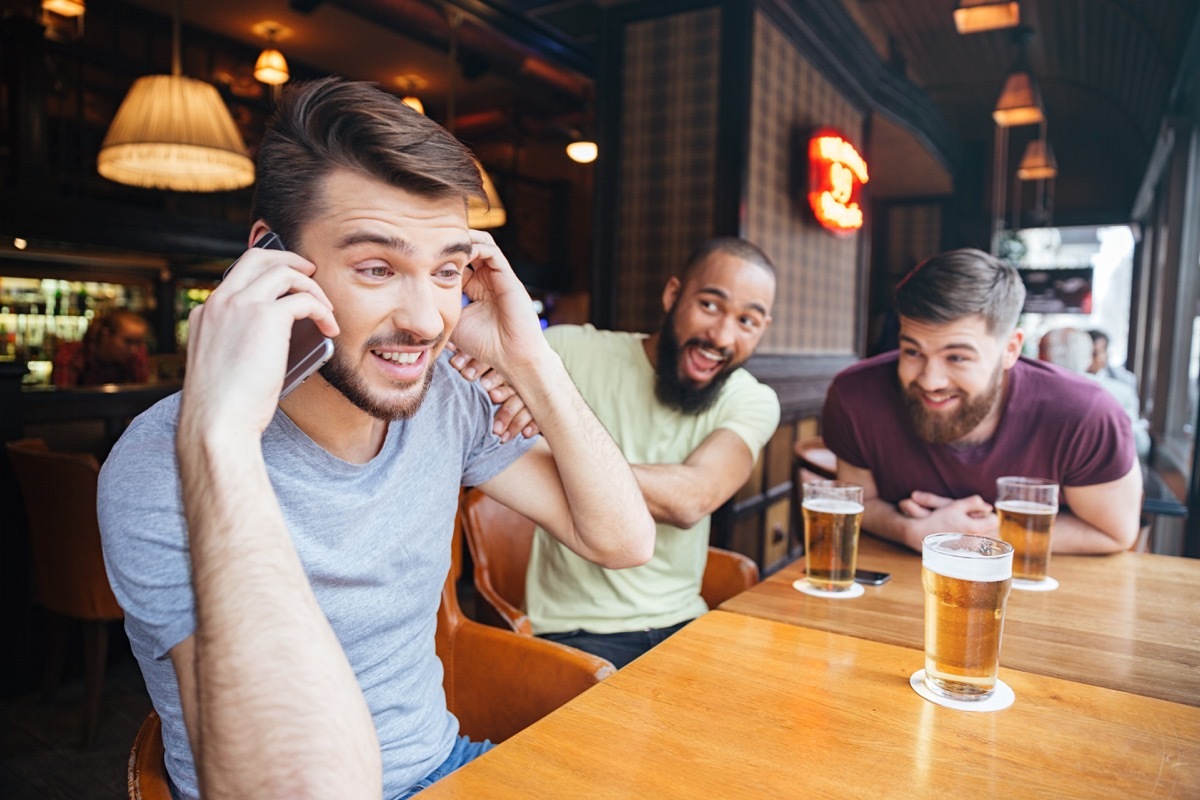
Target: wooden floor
[{"x": 39, "y": 742}]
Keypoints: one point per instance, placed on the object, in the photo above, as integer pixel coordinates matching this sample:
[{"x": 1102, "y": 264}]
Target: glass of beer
[
  {"x": 967, "y": 580},
  {"x": 1027, "y": 507},
  {"x": 832, "y": 515}
]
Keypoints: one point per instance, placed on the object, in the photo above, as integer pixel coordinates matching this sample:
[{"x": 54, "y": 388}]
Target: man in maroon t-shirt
[{"x": 927, "y": 429}]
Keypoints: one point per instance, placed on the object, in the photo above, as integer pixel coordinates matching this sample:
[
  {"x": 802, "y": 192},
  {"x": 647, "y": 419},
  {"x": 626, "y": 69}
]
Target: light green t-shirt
[{"x": 564, "y": 592}]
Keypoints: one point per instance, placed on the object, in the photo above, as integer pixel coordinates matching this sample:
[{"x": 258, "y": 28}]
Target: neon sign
[{"x": 836, "y": 174}]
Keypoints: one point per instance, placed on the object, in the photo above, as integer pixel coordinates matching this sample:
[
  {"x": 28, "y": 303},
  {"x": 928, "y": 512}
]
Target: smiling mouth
[{"x": 403, "y": 359}]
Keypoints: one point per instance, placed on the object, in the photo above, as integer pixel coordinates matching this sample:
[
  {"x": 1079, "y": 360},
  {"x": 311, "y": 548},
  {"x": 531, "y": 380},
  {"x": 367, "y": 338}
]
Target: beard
[
  {"x": 341, "y": 375},
  {"x": 949, "y": 427},
  {"x": 678, "y": 391}
]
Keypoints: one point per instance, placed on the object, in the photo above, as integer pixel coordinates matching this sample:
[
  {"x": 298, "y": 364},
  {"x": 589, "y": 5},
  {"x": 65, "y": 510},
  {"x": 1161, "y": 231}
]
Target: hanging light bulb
[
  {"x": 271, "y": 67},
  {"x": 582, "y": 151},
  {"x": 414, "y": 103},
  {"x": 172, "y": 132}
]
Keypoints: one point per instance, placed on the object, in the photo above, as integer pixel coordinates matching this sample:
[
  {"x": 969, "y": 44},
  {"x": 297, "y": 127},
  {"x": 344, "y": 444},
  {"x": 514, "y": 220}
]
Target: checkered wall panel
[
  {"x": 818, "y": 293},
  {"x": 668, "y": 156}
]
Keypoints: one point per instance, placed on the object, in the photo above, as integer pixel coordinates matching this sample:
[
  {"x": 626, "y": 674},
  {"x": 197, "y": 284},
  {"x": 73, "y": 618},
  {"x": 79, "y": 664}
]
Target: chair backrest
[
  {"x": 146, "y": 773},
  {"x": 59, "y": 490},
  {"x": 498, "y": 682},
  {"x": 500, "y": 541}
]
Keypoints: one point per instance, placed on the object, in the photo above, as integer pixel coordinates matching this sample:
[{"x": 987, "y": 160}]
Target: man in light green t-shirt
[{"x": 691, "y": 422}]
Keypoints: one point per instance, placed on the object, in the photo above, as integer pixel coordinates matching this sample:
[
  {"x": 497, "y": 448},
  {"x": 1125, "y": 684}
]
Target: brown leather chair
[
  {"x": 147, "y": 770},
  {"x": 500, "y": 540},
  {"x": 59, "y": 490},
  {"x": 814, "y": 460},
  {"x": 496, "y": 683}
]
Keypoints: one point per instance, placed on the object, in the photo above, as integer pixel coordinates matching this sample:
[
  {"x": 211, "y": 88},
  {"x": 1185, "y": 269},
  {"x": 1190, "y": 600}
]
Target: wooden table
[
  {"x": 735, "y": 706},
  {"x": 1129, "y": 621}
]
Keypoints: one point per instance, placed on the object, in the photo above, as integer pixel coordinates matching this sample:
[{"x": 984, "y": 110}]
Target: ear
[
  {"x": 671, "y": 293},
  {"x": 257, "y": 230},
  {"x": 1012, "y": 348}
]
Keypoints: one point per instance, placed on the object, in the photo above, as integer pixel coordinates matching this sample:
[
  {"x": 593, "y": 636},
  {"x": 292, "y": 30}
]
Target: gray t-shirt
[{"x": 374, "y": 540}]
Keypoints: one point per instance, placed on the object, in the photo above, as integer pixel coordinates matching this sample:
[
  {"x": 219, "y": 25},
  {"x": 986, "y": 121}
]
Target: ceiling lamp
[
  {"x": 271, "y": 67},
  {"x": 64, "y": 8},
  {"x": 173, "y": 132},
  {"x": 1038, "y": 162},
  {"x": 1020, "y": 103},
  {"x": 582, "y": 151},
  {"x": 974, "y": 16},
  {"x": 414, "y": 103}
]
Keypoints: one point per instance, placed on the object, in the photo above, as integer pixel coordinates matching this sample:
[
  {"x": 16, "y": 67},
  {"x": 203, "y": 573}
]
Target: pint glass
[
  {"x": 1027, "y": 507},
  {"x": 832, "y": 515},
  {"x": 967, "y": 580}
]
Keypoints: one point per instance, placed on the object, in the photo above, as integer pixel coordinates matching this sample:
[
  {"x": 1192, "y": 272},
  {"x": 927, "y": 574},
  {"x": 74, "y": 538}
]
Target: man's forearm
[
  {"x": 884, "y": 520},
  {"x": 676, "y": 494},
  {"x": 280, "y": 712},
  {"x": 610, "y": 519},
  {"x": 1073, "y": 535}
]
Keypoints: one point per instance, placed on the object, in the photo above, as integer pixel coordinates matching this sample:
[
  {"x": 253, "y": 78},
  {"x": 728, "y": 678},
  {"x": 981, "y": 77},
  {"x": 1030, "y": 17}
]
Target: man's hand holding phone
[{"x": 239, "y": 339}]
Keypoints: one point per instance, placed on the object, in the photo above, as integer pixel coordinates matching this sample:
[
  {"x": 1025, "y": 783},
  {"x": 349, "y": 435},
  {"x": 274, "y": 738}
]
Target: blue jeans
[
  {"x": 619, "y": 648},
  {"x": 464, "y": 752}
]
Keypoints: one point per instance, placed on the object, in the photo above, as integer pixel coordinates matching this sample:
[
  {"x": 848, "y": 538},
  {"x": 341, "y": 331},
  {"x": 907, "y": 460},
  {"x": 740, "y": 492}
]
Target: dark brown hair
[
  {"x": 962, "y": 283},
  {"x": 331, "y": 123}
]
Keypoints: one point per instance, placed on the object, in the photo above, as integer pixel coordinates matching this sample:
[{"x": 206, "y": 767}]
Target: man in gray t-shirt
[{"x": 280, "y": 560}]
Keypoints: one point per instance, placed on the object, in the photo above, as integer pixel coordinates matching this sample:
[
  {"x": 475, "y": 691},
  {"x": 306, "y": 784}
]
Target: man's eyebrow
[
  {"x": 724, "y": 295},
  {"x": 396, "y": 243},
  {"x": 951, "y": 346},
  {"x": 363, "y": 237}
]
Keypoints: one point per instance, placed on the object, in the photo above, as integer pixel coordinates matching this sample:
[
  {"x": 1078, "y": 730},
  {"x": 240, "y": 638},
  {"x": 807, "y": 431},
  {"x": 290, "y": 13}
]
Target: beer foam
[
  {"x": 968, "y": 558},
  {"x": 1026, "y": 507},
  {"x": 831, "y": 505}
]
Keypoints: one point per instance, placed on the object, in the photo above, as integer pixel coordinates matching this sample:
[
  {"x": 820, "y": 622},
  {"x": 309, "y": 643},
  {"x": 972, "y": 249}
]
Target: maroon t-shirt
[{"x": 1055, "y": 424}]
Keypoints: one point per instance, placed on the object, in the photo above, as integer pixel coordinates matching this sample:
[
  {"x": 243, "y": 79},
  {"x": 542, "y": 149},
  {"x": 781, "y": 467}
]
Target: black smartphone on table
[
  {"x": 309, "y": 349},
  {"x": 871, "y": 578}
]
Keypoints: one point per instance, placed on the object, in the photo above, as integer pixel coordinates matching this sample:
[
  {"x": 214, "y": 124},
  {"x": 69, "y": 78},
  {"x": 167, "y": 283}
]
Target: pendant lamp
[
  {"x": 1020, "y": 102},
  {"x": 975, "y": 16},
  {"x": 1038, "y": 162},
  {"x": 173, "y": 132},
  {"x": 481, "y": 215}
]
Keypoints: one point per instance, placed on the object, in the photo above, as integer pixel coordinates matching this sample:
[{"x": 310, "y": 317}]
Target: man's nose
[
  {"x": 932, "y": 376},
  {"x": 723, "y": 333},
  {"x": 417, "y": 311}
]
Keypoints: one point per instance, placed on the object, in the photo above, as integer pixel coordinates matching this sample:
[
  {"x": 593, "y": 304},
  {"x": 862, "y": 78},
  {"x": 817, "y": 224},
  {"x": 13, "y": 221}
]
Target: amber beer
[
  {"x": 967, "y": 580},
  {"x": 1027, "y": 527},
  {"x": 832, "y": 515},
  {"x": 1027, "y": 507}
]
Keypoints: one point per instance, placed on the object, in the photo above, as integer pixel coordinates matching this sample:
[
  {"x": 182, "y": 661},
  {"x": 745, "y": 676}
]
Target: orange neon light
[{"x": 836, "y": 175}]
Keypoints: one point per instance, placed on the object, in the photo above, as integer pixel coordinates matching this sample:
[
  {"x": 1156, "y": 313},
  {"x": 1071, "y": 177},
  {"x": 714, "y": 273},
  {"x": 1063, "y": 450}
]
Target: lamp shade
[
  {"x": 271, "y": 67},
  {"x": 481, "y": 215},
  {"x": 1038, "y": 162},
  {"x": 974, "y": 16},
  {"x": 65, "y": 8},
  {"x": 582, "y": 152},
  {"x": 173, "y": 132},
  {"x": 1020, "y": 103},
  {"x": 414, "y": 103}
]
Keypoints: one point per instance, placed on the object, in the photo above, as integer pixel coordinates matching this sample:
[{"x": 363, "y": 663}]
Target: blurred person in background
[
  {"x": 113, "y": 350},
  {"x": 1072, "y": 349},
  {"x": 1099, "y": 361}
]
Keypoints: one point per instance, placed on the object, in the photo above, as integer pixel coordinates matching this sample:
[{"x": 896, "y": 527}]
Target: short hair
[
  {"x": 1098, "y": 336},
  {"x": 732, "y": 245},
  {"x": 323, "y": 125},
  {"x": 962, "y": 283}
]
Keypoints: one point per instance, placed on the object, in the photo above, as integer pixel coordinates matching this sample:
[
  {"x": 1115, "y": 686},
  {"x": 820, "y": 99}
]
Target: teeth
[
  {"x": 399, "y": 358},
  {"x": 710, "y": 355}
]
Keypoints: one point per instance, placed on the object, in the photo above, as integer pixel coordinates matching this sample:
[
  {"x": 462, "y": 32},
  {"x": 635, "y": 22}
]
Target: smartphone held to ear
[{"x": 309, "y": 348}]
